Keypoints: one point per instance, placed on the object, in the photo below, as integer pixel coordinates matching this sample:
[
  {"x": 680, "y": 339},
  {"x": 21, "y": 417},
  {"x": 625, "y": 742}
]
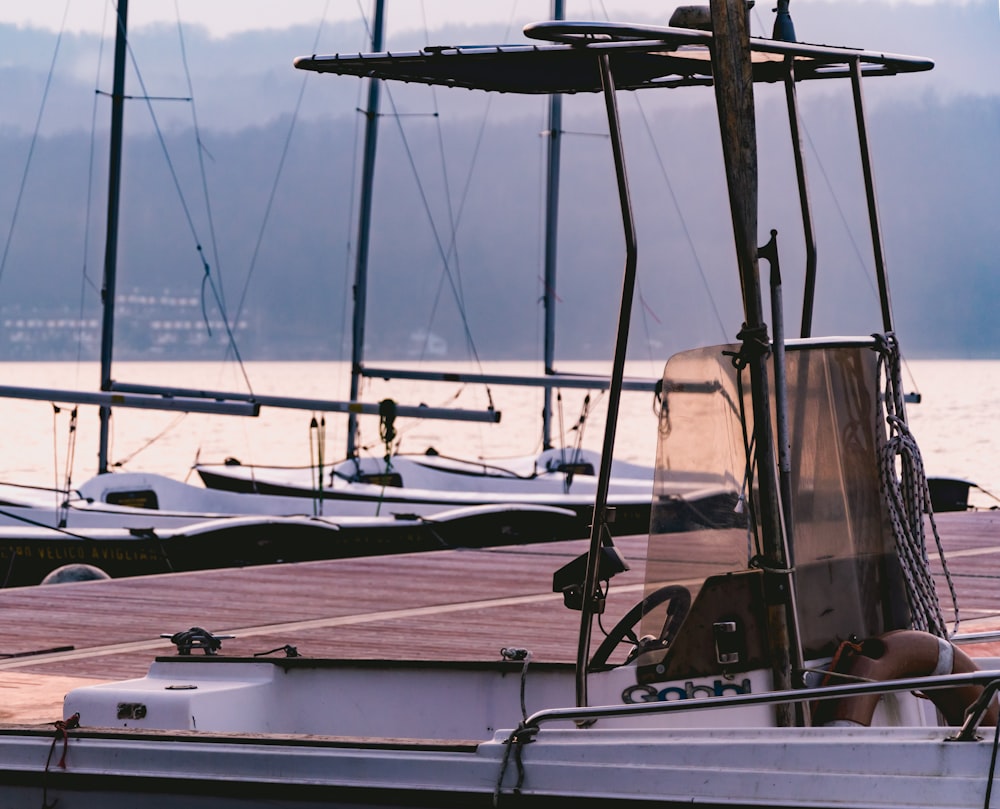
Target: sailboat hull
[
  {"x": 421, "y": 484},
  {"x": 28, "y": 554}
]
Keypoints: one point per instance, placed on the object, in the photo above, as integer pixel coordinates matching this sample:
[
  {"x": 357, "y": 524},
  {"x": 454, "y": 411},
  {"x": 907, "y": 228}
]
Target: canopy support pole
[
  {"x": 873, "y": 219},
  {"x": 809, "y": 291},
  {"x": 599, "y": 533}
]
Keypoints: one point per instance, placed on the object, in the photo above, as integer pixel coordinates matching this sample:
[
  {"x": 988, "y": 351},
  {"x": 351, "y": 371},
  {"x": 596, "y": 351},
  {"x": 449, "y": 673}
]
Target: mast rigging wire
[
  {"x": 454, "y": 279},
  {"x": 208, "y": 280},
  {"x": 279, "y": 171},
  {"x": 843, "y": 220},
  {"x": 85, "y": 279},
  {"x": 449, "y": 254},
  {"x": 452, "y": 218},
  {"x": 680, "y": 216},
  {"x": 34, "y": 141},
  {"x": 442, "y": 252},
  {"x": 200, "y": 148}
]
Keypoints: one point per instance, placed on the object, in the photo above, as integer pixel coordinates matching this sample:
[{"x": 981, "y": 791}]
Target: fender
[{"x": 900, "y": 654}]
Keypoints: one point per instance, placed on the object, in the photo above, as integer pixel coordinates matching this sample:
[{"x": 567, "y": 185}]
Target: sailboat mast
[
  {"x": 364, "y": 229},
  {"x": 111, "y": 237},
  {"x": 551, "y": 231}
]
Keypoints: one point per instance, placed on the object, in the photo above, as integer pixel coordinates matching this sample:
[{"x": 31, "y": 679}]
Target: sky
[
  {"x": 224, "y": 17},
  {"x": 246, "y": 87}
]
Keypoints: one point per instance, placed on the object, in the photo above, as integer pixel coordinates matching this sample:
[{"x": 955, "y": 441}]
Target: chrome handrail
[
  {"x": 975, "y": 637},
  {"x": 974, "y": 716}
]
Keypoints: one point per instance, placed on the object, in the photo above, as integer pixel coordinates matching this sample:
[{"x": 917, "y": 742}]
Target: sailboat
[
  {"x": 781, "y": 658},
  {"x": 559, "y": 476},
  {"x": 141, "y": 523},
  {"x": 397, "y": 486}
]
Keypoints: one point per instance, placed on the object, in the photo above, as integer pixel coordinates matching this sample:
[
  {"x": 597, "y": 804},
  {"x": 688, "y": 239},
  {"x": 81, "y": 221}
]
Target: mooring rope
[{"x": 907, "y": 497}]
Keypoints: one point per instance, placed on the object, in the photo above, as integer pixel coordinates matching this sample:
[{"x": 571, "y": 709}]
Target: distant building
[
  {"x": 161, "y": 325},
  {"x": 424, "y": 343}
]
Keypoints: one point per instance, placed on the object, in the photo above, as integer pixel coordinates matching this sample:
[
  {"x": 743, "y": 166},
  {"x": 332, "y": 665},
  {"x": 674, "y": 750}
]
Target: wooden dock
[{"x": 454, "y": 604}]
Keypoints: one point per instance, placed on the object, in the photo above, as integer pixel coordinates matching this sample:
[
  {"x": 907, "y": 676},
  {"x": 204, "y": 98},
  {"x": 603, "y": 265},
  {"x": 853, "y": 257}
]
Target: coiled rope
[{"x": 907, "y": 496}]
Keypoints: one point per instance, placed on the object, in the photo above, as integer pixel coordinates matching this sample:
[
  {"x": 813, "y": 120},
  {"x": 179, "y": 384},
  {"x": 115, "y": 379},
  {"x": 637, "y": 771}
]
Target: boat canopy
[{"x": 640, "y": 56}]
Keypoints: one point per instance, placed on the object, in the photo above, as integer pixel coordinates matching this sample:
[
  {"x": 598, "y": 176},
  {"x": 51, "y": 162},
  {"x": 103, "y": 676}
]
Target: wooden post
[{"x": 733, "y": 77}]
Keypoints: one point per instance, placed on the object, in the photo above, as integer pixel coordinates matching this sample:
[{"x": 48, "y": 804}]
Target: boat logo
[{"x": 690, "y": 690}]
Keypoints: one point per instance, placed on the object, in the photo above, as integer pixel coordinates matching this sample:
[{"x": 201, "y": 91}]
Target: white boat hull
[
  {"x": 805, "y": 767},
  {"x": 218, "y": 732}
]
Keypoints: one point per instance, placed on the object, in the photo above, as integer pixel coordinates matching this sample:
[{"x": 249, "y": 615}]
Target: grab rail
[
  {"x": 990, "y": 680},
  {"x": 975, "y": 637}
]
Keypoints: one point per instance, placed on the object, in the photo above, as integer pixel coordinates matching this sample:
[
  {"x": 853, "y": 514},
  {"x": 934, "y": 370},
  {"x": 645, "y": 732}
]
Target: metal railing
[{"x": 990, "y": 680}]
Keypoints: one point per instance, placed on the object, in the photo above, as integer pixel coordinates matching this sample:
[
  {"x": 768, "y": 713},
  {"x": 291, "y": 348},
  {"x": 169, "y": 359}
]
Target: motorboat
[{"x": 791, "y": 652}]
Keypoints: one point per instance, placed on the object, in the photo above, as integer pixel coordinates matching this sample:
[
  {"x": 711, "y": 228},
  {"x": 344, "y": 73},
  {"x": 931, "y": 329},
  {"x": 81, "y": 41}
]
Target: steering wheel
[{"x": 680, "y": 604}]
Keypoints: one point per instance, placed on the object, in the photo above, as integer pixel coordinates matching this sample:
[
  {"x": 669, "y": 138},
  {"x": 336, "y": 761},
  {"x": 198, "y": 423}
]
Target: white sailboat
[
  {"x": 782, "y": 657},
  {"x": 559, "y": 476},
  {"x": 137, "y": 523},
  {"x": 396, "y": 486}
]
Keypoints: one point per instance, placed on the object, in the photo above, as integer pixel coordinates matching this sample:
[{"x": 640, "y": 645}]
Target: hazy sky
[{"x": 224, "y": 17}]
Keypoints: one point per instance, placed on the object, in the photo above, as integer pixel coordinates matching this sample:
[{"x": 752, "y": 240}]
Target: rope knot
[
  {"x": 755, "y": 345},
  {"x": 886, "y": 344},
  {"x": 515, "y": 742},
  {"x": 62, "y": 726}
]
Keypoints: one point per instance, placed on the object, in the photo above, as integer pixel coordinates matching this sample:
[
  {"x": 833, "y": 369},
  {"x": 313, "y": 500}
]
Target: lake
[{"x": 955, "y": 423}]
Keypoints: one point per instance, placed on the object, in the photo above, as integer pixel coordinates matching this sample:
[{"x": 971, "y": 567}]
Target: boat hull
[
  {"x": 422, "y": 484},
  {"x": 29, "y": 554},
  {"x": 806, "y": 767},
  {"x": 202, "y": 730}
]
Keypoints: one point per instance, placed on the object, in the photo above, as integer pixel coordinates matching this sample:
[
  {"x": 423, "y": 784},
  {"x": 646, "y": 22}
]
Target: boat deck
[{"x": 442, "y": 605}]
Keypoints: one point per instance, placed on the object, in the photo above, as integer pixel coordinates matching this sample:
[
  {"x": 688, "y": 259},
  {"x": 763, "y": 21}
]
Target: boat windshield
[{"x": 846, "y": 571}]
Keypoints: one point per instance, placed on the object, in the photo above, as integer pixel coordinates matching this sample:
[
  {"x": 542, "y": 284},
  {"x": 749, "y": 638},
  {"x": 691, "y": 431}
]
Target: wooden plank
[
  {"x": 456, "y": 605},
  {"x": 35, "y": 699},
  {"x": 352, "y": 599},
  {"x": 452, "y": 605}
]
